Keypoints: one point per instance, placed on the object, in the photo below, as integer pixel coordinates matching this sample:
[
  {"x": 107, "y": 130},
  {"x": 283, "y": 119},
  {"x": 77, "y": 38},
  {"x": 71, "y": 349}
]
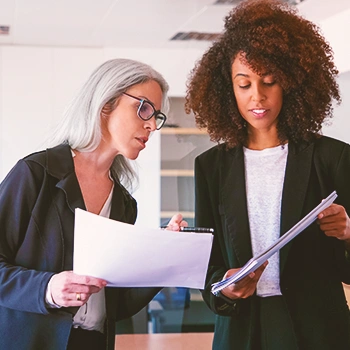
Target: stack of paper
[{"x": 258, "y": 260}]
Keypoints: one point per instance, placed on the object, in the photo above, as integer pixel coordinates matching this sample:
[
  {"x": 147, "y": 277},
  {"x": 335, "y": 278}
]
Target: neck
[
  {"x": 262, "y": 145},
  {"x": 95, "y": 162},
  {"x": 259, "y": 141}
]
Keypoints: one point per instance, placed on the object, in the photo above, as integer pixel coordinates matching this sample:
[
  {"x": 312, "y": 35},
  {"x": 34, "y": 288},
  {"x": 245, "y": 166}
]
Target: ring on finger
[{"x": 78, "y": 296}]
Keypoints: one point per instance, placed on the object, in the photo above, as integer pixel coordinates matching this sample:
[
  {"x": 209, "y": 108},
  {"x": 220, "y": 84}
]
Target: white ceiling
[{"x": 125, "y": 23}]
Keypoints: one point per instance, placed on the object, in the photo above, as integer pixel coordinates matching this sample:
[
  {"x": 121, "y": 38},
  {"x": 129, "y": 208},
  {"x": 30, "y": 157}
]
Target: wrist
[
  {"x": 226, "y": 298},
  {"x": 50, "y": 302}
]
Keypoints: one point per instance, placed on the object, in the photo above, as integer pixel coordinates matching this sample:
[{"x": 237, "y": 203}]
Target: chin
[{"x": 132, "y": 156}]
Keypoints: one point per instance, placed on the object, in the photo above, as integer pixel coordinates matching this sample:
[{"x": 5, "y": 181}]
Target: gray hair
[{"x": 80, "y": 126}]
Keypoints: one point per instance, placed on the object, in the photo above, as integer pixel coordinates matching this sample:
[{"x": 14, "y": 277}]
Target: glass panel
[{"x": 176, "y": 310}]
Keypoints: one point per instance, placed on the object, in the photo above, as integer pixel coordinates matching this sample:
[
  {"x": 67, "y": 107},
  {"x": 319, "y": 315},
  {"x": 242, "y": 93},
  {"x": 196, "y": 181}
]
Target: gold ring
[{"x": 78, "y": 296}]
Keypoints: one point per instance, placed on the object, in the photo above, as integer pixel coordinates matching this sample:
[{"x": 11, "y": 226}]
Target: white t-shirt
[{"x": 265, "y": 171}]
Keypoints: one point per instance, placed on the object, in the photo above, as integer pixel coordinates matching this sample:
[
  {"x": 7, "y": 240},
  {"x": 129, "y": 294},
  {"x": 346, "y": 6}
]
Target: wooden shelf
[
  {"x": 183, "y": 131},
  {"x": 169, "y": 214},
  {"x": 177, "y": 172}
]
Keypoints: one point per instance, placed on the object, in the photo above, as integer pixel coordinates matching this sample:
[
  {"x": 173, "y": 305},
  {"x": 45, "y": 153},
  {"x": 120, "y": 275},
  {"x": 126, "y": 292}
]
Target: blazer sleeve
[
  {"x": 342, "y": 186},
  {"x": 20, "y": 288},
  {"x": 206, "y": 214}
]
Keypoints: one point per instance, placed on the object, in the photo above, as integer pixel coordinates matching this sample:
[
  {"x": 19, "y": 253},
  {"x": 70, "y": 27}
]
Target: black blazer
[
  {"x": 312, "y": 266},
  {"x": 37, "y": 202}
]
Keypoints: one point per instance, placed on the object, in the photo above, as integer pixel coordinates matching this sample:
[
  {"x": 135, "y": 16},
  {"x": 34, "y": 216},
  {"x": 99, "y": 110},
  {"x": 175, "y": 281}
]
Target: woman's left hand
[
  {"x": 334, "y": 222},
  {"x": 176, "y": 222}
]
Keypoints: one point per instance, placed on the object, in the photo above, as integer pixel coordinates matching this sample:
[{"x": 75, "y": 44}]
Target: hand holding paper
[
  {"x": 258, "y": 260},
  {"x": 245, "y": 287},
  {"x": 129, "y": 256}
]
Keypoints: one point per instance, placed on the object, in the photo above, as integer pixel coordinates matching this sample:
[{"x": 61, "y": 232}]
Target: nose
[
  {"x": 150, "y": 124},
  {"x": 258, "y": 93}
]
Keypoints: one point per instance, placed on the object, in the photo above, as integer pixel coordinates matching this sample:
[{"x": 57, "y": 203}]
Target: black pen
[{"x": 193, "y": 229}]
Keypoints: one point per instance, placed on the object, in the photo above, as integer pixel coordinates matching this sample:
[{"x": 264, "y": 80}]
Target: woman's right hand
[
  {"x": 246, "y": 286},
  {"x": 69, "y": 289}
]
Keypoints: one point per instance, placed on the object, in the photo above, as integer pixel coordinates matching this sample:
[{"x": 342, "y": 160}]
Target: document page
[
  {"x": 259, "y": 259},
  {"x": 131, "y": 256}
]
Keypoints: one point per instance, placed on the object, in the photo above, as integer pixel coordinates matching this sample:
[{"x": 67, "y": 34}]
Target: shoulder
[
  {"x": 28, "y": 167},
  {"x": 214, "y": 153},
  {"x": 56, "y": 161},
  {"x": 220, "y": 157},
  {"x": 326, "y": 142},
  {"x": 328, "y": 148},
  {"x": 322, "y": 147}
]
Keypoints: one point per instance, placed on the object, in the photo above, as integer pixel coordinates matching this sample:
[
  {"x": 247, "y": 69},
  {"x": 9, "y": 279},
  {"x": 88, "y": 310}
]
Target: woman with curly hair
[{"x": 263, "y": 92}]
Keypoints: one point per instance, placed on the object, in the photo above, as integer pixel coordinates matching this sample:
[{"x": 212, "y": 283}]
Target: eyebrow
[
  {"x": 241, "y": 75},
  {"x": 247, "y": 75}
]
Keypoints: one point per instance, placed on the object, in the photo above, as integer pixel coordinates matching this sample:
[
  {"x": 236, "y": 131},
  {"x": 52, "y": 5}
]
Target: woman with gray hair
[{"x": 43, "y": 304}]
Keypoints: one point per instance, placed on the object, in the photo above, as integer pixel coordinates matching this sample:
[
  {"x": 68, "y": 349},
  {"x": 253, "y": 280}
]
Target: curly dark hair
[{"x": 275, "y": 40}]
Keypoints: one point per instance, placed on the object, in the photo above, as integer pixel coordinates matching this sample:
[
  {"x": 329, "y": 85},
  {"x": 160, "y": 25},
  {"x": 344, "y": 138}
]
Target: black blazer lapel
[
  {"x": 234, "y": 204},
  {"x": 71, "y": 188},
  {"x": 118, "y": 204},
  {"x": 296, "y": 181}
]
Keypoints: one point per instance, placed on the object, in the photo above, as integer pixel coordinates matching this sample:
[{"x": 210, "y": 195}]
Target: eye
[
  {"x": 144, "y": 107},
  {"x": 244, "y": 86},
  {"x": 146, "y": 110},
  {"x": 269, "y": 80}
]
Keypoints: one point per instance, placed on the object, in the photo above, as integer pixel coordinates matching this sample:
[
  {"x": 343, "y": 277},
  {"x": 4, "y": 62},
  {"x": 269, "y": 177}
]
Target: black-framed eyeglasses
[{"x": 146, "y": 111}]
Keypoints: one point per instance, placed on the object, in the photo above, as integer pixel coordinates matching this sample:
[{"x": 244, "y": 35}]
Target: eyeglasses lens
[
  {"x": 160, "y": 120},
  {"x": 146, "y": 110}
]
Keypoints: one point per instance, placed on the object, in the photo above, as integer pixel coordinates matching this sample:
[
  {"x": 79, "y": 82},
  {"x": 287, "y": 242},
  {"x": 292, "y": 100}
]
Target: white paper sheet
[{"x": 130, "y": 256}]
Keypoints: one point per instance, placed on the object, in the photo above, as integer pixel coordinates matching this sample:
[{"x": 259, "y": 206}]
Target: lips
[
  {"x": 259, "y": 112},
  {"x": 142, "y": 141}
]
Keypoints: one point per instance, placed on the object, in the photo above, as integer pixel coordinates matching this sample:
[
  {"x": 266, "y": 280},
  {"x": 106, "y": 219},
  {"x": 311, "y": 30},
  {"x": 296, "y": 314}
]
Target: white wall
[
  {"x": 36, "y": 85},
  {"x": 339, "y": 127},
  {"x": 334, "y": 26},
  {"x": 336, "y": 31}
]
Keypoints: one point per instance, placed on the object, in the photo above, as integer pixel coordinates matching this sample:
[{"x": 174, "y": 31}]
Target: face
[
  {"x": 259, "y": 98},
  {"x": 122, "y": 130}
]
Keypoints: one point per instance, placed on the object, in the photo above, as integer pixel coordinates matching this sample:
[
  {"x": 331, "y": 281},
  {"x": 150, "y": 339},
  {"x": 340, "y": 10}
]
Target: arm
[
  {"x": 21, "y": 288},
  {"x": 334, "y": 221}
]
